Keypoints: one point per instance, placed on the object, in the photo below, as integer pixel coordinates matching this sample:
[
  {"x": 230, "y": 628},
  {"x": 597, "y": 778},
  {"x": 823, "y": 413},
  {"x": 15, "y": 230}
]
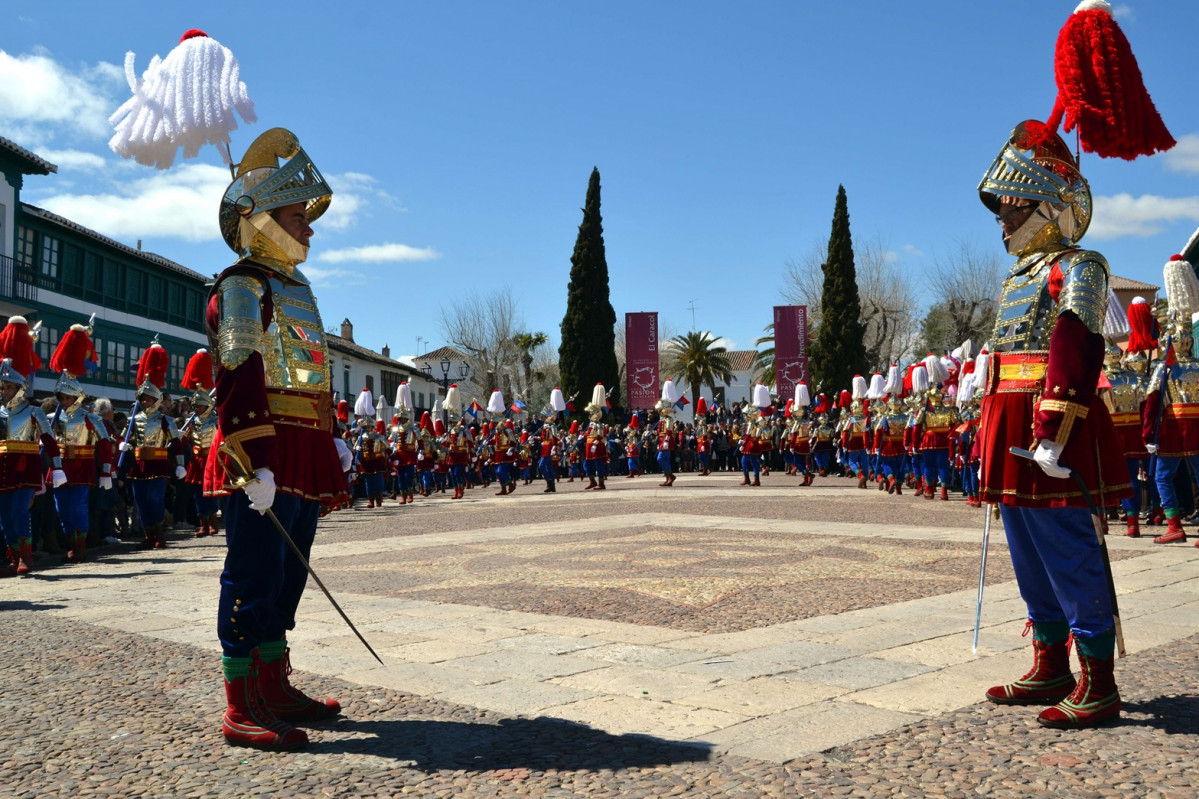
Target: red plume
[
  {"x": 635, "y": 422},
  {"x": 439, "y": 428},
  {"x": 574, "y": 427},
  {"x": 343, "y": 412},
  {"x": 198, "y": 374},
  {"x": 426, "y": 422},
  {"x": 701, "y": 406},
  {"x": 17, "y": 344},
  {"x": 73, "y": 352},
  {"x": 153, "y": 365},
  {"x": 1100, "y": 90},
  {"x": 380, "y": 428},
  {"x": 1141, "y": 334}
]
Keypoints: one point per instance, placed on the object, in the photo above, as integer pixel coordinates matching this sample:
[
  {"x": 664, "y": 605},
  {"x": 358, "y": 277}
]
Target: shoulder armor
[
  {"x": 1084, "y": 287},
  {"x": 240, "y": 328}
]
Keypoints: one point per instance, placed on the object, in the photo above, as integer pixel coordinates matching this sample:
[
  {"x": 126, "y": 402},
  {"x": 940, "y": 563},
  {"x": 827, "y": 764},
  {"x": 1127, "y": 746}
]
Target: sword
[
  {"x": 982, "y": 575},
  {"x": 240, "y": 475},
  {"x": 1098, "y": 521}
]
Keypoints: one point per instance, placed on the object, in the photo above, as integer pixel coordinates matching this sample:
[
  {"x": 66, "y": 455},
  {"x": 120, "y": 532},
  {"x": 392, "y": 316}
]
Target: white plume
[
  {"x": 669, "y": 392},
  {"x": 365, "y": 404},
  {"x": 404, "y": 396},
  {"x": 937, "y": 373},
  {"x": 858, "y": 384},
  {"x": 894, "y": 384},
  {"x": 496, "y": 403},
  {"x": 878, "y": 387},
  {"x": 762, "y": 396},
  {"x": 920, "y": 379},
  {"x": 557, "y": 401},
  {"x": 803, "y": 398}
]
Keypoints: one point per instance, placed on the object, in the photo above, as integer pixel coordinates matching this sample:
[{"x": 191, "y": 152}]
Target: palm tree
[
  {"x": 697, "y": 361},
  {"x": 526, "y": 343},
  {"x": 763, "y": 362}
]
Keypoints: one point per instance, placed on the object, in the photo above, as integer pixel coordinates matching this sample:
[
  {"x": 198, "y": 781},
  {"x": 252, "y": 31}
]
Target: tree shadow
[
  {"x": 22, "y": 604},
  {"x": 537, "y": 744},
  {"x": 1177, "y": 714}
]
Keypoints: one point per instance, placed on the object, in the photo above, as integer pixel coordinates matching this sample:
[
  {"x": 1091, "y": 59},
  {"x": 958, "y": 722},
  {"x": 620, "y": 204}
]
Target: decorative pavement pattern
[{"x": 703, "y": 640}]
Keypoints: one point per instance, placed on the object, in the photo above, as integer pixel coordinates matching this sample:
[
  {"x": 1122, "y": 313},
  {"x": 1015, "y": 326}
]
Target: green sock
[
  {"x": 270, "y": 651},
  {"x": 235, "y": 667},
  {"x": 1051, "y": 632},
  {"x": 1171, "y": 513},
  {"x": 1099, "y": 647}
]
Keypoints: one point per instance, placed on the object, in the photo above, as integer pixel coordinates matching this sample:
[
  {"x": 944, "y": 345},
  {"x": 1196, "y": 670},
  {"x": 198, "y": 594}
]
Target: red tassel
[
  {"x": 1101, "y": 92},
  {"x": 343, "y": 411},
  {"x": 153, "y": 365},
  {"x": 1141, "y": 337},
  {"x": 426, "y": 422},
  {"x": 17, "y": 344},
  {"x": 198, "y": 374},
  {"x": 73, "y": 352}
]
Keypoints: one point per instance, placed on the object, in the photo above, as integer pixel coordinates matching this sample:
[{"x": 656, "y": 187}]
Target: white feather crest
[
  {"x": 937, "y": 373},
  {"x": 859, "y": 387},
  {"x": 878, "y": 387},
  {"x": 894, "y": 384},
  {"x": 187, "y": 100},
  {"x": 557, "y": 401},
  {"x": 803, "y": 398},
  {"x": 452, "y": 402},
  {"x": 920, "y": 379},
  {"x": 599, "y": 397},
  {"x": 965, "y": 390},
  {"x": 404, "y": 396},
  {"x": 495, "y": 404},
  {"x": 1182, "y": 287},
  {"x": 365, "y": 404},
  {"x": 762, "y": 396},
  {"x": 669, "y": 392}
]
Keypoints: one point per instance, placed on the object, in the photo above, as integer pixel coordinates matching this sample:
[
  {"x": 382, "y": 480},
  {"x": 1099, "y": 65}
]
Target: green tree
[
  {"x": 526, "y": 343},
  {"x": 587, "y": 353},
  {"x": 839, "y": 351},
  {"x": 698, "y": 361},
  {"x": 763, "y": 362}
]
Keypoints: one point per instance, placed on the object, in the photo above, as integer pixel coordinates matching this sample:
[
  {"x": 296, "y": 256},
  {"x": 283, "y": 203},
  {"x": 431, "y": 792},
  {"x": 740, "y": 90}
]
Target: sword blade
[{"x": 982, "y": 577}]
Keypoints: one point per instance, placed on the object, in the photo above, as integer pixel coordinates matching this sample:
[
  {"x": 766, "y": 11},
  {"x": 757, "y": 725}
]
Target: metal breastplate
[
  {"x": 149, "y": 431},
  {"x": 71, "y": 430},
  {"x": 1183, "y": 387},
  {"x": 939, "y": 418},
  {"x": 294, "y": 346},
  {"x": 203, "y": 429},
  {"x": 1127, "y": 393},
  {"x": 1026, "y": 313},
  {"x": 20, "y": 423}
]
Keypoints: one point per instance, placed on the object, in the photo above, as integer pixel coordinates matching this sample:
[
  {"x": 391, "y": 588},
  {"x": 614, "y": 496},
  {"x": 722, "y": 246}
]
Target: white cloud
[
  {"x": 179, "y": 203},
  {"x": 353, "y": 195},
  {"x": 379, "y": 254},
  {"x": 37, "y": 90},
  {"x": 74, "y": 159},
  {"x": 1147, "y": 215},
  {"x": 912, "y": 249},
  {"x": 330, "y": 277},
  {"x": 1124, "y": 12},
  {"x": 1184, "y": 157}
]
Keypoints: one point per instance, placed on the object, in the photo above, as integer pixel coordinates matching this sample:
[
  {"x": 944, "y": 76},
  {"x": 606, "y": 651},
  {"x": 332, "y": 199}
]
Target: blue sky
[{"x": 459, "y": 138}]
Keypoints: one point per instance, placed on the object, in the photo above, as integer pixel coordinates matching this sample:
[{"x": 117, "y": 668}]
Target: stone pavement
[{"x": 707, "y": 639}]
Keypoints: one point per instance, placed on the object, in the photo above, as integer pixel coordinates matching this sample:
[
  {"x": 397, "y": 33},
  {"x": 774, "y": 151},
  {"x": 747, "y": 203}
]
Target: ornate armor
[{"x": 1027, "y": 311}]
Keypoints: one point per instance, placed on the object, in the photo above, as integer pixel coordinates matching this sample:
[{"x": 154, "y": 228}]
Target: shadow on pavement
[
  {"x": 537, "y": 744},
  {"x": 1172, "y": 714},
  {"x": 22, "y": 604}
]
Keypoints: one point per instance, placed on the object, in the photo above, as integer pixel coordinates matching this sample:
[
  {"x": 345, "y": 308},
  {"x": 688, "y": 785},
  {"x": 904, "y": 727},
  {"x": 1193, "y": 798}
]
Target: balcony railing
[{"x": 17, "y": 283}]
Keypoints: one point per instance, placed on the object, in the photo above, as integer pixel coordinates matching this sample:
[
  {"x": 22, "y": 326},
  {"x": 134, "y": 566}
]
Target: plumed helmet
[
  {"x": 274, "y": 172},
  {"x": 701, "y": 406},
  {"x": 859, "y": 387},
  {"x": 762, "y": 397},
  {"x": 452, "y": 402},
  {"x": 803, "y": 398},
  {"x": 495, "y": 404},
  {"x": 365, "y": 404},
  {"x": 403, "y": 403},
  {"x": 1142, "y": 327},
  {"x": 557, "y": 401},
  {"x": 920, "y": 380},
  {"x": 152, "y": 371},
  {"x": 70, "y": 360},
  {"x": 1182, "y": 287},
  {"x": 1046, "y": 173},
  {"x": 16, "y": 345}
]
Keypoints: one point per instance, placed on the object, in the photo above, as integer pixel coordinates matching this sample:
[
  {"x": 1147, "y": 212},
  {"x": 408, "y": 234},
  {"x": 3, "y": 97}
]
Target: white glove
[
  {"x": 1151, "y": 449},
  {"x": 58, "y": 477},
  {"x": 343, "y": 454},
  {"x": 106, "y": 483},
  {"x": 1046, "y": 456},
  {"x": 180, "y": 472},
  {"x": 261, "y": 490},
  {"x": 125, "y": 447},
  {"x": 420, "y": 456}
]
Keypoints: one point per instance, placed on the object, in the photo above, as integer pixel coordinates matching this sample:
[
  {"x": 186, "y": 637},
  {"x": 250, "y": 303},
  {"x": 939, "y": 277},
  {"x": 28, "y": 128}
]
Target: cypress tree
[
  {"x": 587, "y": 354},
  {"x": 839, "y": 351}
]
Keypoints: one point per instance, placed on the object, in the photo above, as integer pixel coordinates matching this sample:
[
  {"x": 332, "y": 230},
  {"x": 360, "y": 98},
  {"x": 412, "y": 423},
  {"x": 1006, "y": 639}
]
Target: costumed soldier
[
  {"x": 664, "y": 435},
  {"x": 1170, "y": 425},
  {"x": 83, "y": 440},
  {"x": 799, "y": 432},
  {"x": 822, "y": 441},
  {"x": 853, "y": 432},
  {"x": 1048, "y": 342},
  {"x": 632, "y": 446},
  {"x": 505, "y": 445},
  {"x": 200, "y": 430},
  {"x": 374, "y": 458},
  {"x": 152, "y": 446},
  {"x": 1126, "y": 398},
  {"x": 547, "y": 463},
  {"x": 574, "y": 447},
  {"x": 703, "y": 438},
  {"x": 595, "y": 444},
  {"x": 275, "y": 412},
  {"x": 405, "y": 443},
  {"x": 889, "y": 426},
  {"x": 25, "y": 436},
  {"x": 461, "y": 441},
  {"x": 934, "y": 430}
]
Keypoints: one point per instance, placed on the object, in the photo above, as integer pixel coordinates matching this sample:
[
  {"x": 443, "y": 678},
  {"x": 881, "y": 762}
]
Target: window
[
  {"x": 50, "y": 252},
  {"x": 138, "y": 290},
  {"x": 46, "y": 345},
  {"x": 116, "y": 364},
  {"x": 370, "y": 383},
  {"x": 178, "y": 365},
  {"x": 26, "y": 248},
  {"x": 178, "y": 295},
  {"x": 93, "y": 277},
  {"x": 72, "y": 270},
  {"x": 420, "y": 399},
  {"x": 390, "y": 382},
  {"x": 156, "y": 305},
  {"x": 114, "y": 284}
]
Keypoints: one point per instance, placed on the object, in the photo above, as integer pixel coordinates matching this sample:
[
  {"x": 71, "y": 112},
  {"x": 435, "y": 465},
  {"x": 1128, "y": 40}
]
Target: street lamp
[{"x": 463, "y": 371}]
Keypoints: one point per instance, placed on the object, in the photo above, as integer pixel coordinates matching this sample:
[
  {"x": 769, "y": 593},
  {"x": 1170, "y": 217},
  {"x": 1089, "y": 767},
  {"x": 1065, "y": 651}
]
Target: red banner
[
  {"x": 790, "y": 349},
  {"x": 641, "y": 359}
]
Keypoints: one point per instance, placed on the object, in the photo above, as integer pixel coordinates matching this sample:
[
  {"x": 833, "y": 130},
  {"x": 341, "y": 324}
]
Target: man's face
[
  {"x": 8, "y": 390},
  {"x": 145, "y": 401},
  {"x": 1013, "y": 212},
  {"x": 294, "y": 219}
]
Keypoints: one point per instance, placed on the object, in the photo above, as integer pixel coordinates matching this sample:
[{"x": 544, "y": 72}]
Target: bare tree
[
  {"x": 485, "y": 326},
  {"x": 889, "y": 304},
  {"x": 964, "y": 284}
]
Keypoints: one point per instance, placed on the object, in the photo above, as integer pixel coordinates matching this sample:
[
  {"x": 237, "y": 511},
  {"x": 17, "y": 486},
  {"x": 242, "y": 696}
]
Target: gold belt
[
  {"x": 78, "y": 451},
  {"x": 1125, "y": 418},
  {"x": 1184, "y": 411},
  {"x": 1020, "y": 371},
  {"x": 301, "y": 408},
  {"x": 150, "y": 453},
  {"x": 19, "y": 448}
]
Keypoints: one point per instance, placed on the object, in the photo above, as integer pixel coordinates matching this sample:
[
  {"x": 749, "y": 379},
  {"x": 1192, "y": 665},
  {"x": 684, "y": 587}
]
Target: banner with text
[
  {"x": 641, "y": 359},
  {"x": 790, "y": 349}
]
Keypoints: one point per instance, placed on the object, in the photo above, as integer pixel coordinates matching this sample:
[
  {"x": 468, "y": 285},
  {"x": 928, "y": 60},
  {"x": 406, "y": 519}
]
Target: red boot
[
  {"x": 757, "y": 481},
  {"x": 282, "y": 699},
  {"x": 944, "y": 493},
  {"x": 247, "y": 721},
  {"x": 1134, "y": 526},
  {"x": 1173, "y": 532},
  {"x": 898, "y": 487},
  {"x": 1156, "y": 517},
  {"x": 78, "y": 550},
  {"x": 25, "y": 556},
  {"x": 1095, "y": 700},
  {"x": 1048, "y": 682},
  {"x": 592, "y": 485},
  {"x": 929, "y": 491}
]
